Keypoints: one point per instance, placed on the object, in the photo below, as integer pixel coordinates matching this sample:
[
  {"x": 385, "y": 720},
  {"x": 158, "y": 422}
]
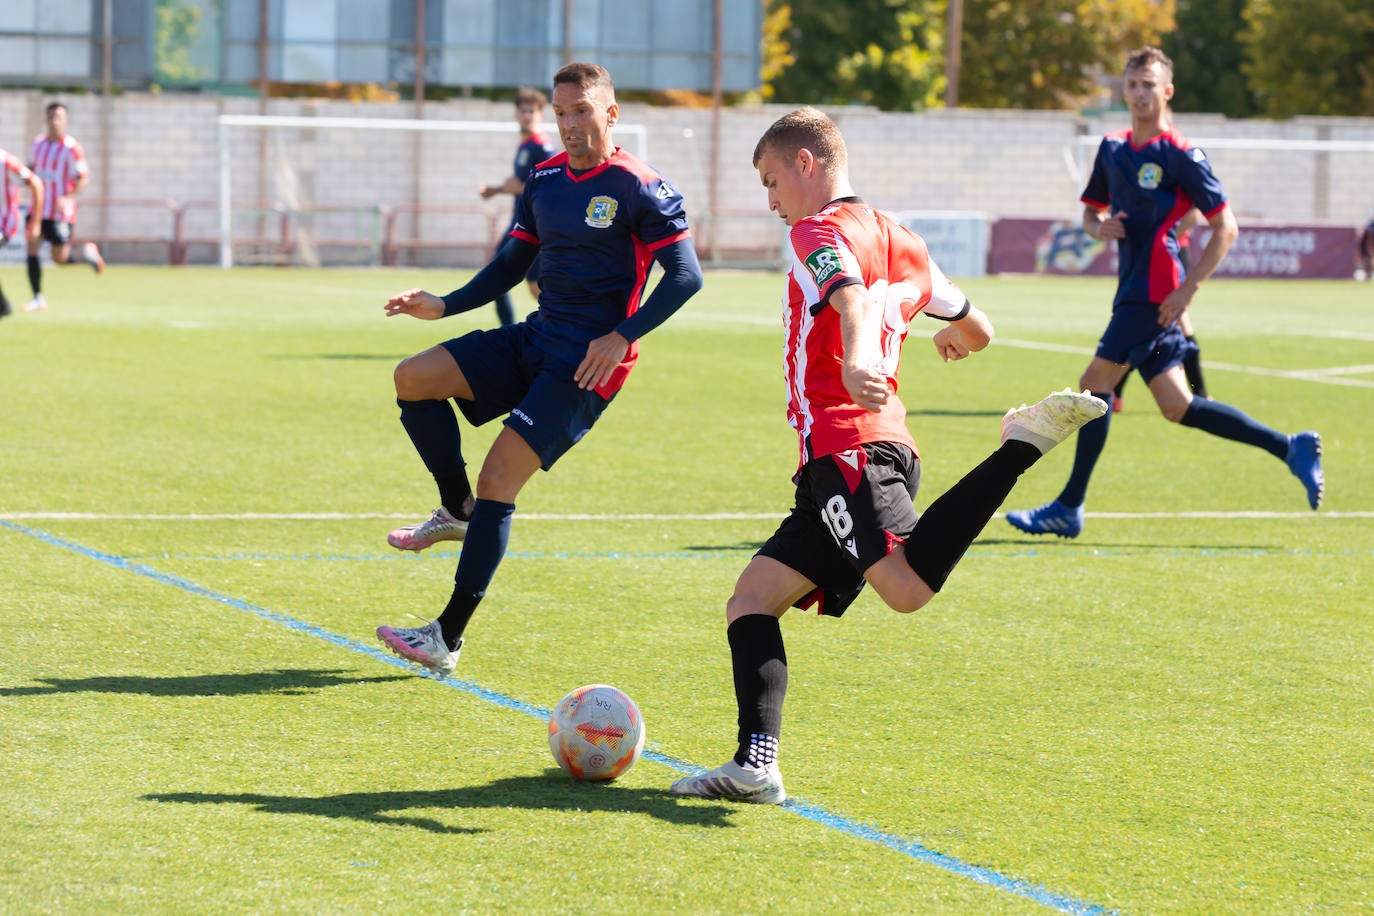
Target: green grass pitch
[{"x": 1173, "y": 713}]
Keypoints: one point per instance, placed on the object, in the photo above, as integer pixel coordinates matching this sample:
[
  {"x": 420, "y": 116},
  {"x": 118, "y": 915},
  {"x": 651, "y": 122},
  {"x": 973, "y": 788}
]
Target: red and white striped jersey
[
  {"x": 14, "y": 177},
  {"x": 58, "y": 163},
  {"x": 848, "y": 242}
]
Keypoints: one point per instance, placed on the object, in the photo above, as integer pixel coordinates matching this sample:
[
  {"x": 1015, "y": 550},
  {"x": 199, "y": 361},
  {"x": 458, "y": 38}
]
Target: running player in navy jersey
[
  {"x": 857, "y": 280},
  {"x": 1144, "y": 181},
  {"x": 599, "y": 218},
  {"x": 534, "y": 148}
]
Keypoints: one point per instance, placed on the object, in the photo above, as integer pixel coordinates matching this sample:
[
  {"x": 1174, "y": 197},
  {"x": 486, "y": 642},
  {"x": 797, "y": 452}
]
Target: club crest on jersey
[
  {"x": 1149, "y": 176},
  {"x": 823, "y": 263},
  {"x": 601, "y": 212}
]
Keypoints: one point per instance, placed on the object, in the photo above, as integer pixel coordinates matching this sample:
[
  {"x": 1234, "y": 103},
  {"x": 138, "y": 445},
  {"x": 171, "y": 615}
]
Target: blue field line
[{"x": 797, "y": 806}]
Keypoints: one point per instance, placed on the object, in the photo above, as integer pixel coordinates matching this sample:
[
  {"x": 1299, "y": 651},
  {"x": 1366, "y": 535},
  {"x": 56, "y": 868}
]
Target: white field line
[
  {"x": 577, "y": 517},
  {"x": 1331, "y": 376}
]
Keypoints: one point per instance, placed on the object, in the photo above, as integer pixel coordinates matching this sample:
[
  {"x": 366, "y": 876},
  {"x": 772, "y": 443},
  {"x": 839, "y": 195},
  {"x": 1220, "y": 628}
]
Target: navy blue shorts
[
  {"x": 851, "y": 511},
  {"x": 512, "y": 374},
  {"x": 1134, "y": 338}
]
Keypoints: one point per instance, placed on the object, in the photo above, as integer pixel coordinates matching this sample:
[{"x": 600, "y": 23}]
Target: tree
[
  {"x": 1311, "y": 56},
  {"x": 1048, "y": 54},
  {"x": 1208, "y": 55},
  {"x": 887, "y": 53}
]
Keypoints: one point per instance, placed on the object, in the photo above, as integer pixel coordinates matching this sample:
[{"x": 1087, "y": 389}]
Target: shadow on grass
[
  {"x": 929, "y": 412},
  {"x": 553, "y": 791},
  {"x": 283, "y": 680}
]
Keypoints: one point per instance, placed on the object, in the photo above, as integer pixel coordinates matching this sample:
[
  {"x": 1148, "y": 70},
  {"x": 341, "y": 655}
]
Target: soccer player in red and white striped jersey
[
  {"x": 857, "y": 279},
  {"x": 60, "y": 163},
  {"x": 14, "y": 176}
]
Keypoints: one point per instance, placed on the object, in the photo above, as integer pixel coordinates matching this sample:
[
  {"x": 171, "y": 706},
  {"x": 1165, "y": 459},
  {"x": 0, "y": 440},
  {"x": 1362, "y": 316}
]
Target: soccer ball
[{"x": 596, "y": 733}]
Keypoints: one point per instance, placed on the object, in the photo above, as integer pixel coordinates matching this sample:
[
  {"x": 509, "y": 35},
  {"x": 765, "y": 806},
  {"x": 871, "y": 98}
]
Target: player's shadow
[
  {"x": 282, "y": 680},
  {"x": 742, "y": 546},
  {"x": 930, "y": 412},
  {"x": 553, "y": 791}
]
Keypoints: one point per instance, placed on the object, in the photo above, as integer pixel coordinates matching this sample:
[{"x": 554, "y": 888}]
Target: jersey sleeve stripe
[
  {"x": 523, "y": 236},
  {"x": 673, "y": 239}
]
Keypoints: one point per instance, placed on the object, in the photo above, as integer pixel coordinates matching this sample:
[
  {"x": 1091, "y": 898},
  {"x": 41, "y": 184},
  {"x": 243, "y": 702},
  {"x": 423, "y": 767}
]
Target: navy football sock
[
  {"x": 759, "y": 662},
  {"x": 1092, "y": 438},
  {"x": 947, "y": 528},
  {"x": 505, "y": 309},
  {"x": 1229, "y": 423},
  {"x": 1192, "y": 370},
  {"x": 483, "y": 547},
  {"x": 433, "y": 429},
  {"x": 35, "y": 274}
]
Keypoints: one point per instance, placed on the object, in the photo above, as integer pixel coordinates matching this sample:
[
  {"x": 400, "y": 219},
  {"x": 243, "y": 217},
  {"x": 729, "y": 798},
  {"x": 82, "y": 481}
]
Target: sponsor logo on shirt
[
  {"x": 542, "y": 172},
  {"x": 1149, "y": 176},
  {"x": 601, "y": 212},
  {"x": 823, "y": 263}
]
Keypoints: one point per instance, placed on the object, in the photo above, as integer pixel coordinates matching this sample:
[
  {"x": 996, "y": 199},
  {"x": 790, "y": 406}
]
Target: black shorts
[
  {"x": 56, "y": 232},
  {"x": 511, "y": 374},
  {"x": 852, "y": 509}
]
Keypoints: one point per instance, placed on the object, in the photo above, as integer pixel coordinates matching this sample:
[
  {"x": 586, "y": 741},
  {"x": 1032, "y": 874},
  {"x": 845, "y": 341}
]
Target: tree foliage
[
  {"x": 1048, "y": 54},
  {"x": 1311, "y": 56},
  {"x": 1208, "y": 55},
  {"x": 887, "y": 53},
  {"x": 178, "y": 24}
]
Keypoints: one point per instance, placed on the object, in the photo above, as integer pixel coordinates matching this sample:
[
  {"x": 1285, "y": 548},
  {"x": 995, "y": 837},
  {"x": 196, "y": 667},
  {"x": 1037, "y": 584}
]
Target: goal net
[{"x": 336, "y": 191}]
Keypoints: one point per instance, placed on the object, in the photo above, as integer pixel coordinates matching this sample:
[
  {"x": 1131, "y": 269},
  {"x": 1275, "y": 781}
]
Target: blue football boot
[
  {"x": 1051, "y": 518},
  {"x": 1305, "y": 461}
]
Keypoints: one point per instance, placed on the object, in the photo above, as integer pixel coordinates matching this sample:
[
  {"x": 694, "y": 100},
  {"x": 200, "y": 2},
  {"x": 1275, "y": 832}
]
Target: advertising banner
[{"x": 1043, "y": 246}]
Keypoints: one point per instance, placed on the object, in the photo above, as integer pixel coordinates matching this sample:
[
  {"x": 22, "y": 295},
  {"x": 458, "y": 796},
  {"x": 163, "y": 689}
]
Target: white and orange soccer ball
[{"x": 596, "y": 733}]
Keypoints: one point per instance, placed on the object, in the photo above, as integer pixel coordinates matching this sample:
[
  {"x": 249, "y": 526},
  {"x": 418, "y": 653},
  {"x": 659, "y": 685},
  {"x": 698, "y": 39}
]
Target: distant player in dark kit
[
  {"x": 58, "y": 160},
  {"x": 1144, "y": 181},
  {"x": 857, "y": 279},
  {"x": 534, "y": 148},
  {"x": 599, "y": 218}
]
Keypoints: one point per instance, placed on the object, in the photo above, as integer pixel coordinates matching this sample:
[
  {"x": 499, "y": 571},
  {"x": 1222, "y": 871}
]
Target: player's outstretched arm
[{"x": 415, "y": 302}]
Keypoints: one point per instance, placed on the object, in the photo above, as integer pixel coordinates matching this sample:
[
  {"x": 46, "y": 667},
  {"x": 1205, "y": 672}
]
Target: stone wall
[{"x": 156, "y": 156}]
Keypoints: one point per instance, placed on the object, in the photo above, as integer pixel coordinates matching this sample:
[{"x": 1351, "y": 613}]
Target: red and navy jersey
[
  {"x": 597, "y": 233},
  {"x": 847, "y": 243},
  {"x": 58, "y": 163},
  {"x": 532, "y": 151},
  {"x": 14, "y": 176},
  {"x": 1155, "y": 185}
]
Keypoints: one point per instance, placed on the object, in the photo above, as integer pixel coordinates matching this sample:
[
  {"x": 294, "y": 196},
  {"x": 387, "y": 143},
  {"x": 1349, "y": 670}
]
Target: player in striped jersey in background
[
  {"x": 59, "y": 162},
  {"x": 13, "y": 174}
]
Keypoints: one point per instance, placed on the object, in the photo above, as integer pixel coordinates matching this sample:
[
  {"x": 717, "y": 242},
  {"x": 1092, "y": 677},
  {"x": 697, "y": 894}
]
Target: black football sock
[
  {"x": 945, "y": 530},
  {"x": 760, "y": 671},
  {"x": 35, "y": 274},
  {"x": 505, "y": 309},
  {"x": 433, "y": 429},
  {"x": 1192, "y": 369},
  {"x": 483, "y": 547},
  {"x": 1120, "y": 386},
  {"x": 1092, "y": 439}
]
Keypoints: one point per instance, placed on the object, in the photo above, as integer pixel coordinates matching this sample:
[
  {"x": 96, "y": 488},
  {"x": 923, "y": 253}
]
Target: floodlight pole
[{"x": 954, "y": 41}]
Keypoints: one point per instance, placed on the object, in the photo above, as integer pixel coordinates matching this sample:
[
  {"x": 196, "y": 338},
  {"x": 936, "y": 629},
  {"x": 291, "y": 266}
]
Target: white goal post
[{"x": 228, "y": 122}]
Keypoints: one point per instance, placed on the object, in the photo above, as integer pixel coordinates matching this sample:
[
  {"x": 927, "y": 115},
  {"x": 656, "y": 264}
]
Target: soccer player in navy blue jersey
[
  {"x": 1144, "y": 181},
  {"x": 534, "y": 148},
  {"x": 599, "y": 218}
]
